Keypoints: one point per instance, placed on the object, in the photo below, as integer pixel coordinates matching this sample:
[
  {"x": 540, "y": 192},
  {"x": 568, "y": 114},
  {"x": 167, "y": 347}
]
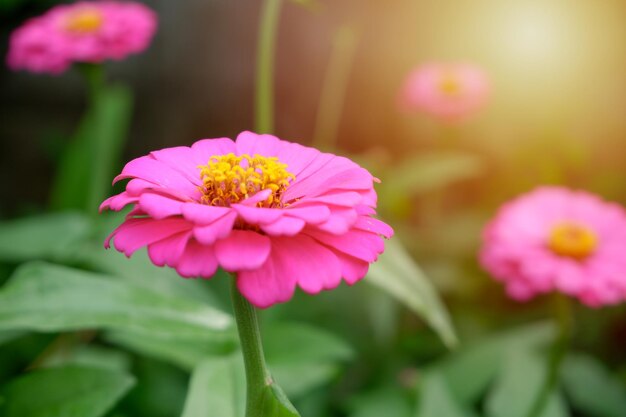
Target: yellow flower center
[
  {"x": 572, "y": 240},
  {"x": 229, "y": 179},
  {"x": 85, "y": 20},
  {"x": 449, "y": 84}
]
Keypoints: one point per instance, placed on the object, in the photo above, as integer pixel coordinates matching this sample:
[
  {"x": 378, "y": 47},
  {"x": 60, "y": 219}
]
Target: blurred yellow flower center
[
  {"x": 450, "y": 85},
  {"x": 229, "y": 179},
  {"x": 84, "y": 21},
  {"x": 572, "y": 240}
]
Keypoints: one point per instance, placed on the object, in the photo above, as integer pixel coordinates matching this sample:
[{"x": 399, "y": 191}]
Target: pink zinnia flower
[
  {"x": 555, "y": 239},
  {"x": 277, "y": 214},
  {"x": 81, "y": 32},
  {"x": 447, "y": 91}
]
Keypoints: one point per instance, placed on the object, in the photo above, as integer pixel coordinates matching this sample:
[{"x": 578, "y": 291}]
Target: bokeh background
[{"x": 556, "y": 115}]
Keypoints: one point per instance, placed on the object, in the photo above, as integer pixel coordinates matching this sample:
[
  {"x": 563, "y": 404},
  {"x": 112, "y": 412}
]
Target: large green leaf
[
  {"x": 483, "y": 359},
  {"x": 302, "y": 357},
  {"x": 218, "y": 385},
  {"x": 385, "y": 401},
  {"x": 72, "y": 391},
  {"x": 436, "y": 399},
  {"x": 49, "y": 236},
  {"x": 44, "y": 297},
  {"x": 397, "y": 273},
  {"x": 431, "y": 171},
  {"x": 519, "y": 386},
  {"x": 88, "y": 164},
  {"x": 591, "y": 388}
]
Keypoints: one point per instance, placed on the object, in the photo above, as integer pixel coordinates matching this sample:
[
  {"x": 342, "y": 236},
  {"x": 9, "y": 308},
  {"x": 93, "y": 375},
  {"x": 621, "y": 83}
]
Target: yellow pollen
[
  {"x": 572, "y": 240},
  {"x": 229, "y": 179},
  {"x": 450, "y": 85},
  {"x": 82, "y": 21}
]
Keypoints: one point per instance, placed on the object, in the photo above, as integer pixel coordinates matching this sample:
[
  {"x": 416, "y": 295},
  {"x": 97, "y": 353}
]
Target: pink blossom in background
[
  {"x": 556, "y": 239},
  {"x": 88, "y": 32},
  {"x": 450, "y": 92},
  {"x": 276, "y": 213}
]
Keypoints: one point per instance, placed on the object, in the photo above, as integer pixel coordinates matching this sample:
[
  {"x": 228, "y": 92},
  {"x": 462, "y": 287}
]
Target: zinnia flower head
[
  {"x": 555, "y": 239},
  {"x": 447, "y": 91},
  {"x": 277, "y": 214},
  {"x": 87, "y": 31}
]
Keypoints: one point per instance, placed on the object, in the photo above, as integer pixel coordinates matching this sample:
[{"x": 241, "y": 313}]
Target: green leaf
[
  {"x": 385, "y": 401},
  {"x": 397, "y": 273},
  {"x": 430, "y": 171},
  {"x": 218, "y": 384},
  {"x": 184, "y": 355},
  {"x": 44, "y": 297},
  {"x": 49, "y": 236},
  {"x": 591, "y": 388},
  {"x": 142, "y": 272},
  {"x": 88, "y": 165},
  {"x": 91, "y": 356},
  {"x": 518, "y": 387},
  {"x": 72, "y": 391},
  {"x": 436, "y": 399},
  {"x": 302, "y": 357},
  {"x": 482, "y": 360}
]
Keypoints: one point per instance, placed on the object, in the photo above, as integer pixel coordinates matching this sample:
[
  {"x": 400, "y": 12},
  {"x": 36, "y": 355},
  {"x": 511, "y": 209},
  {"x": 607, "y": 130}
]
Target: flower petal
[
  {"x": 219, "y": 229},
  {"x": 169, "y": 250},
  {"x": 286, "y": 226},
  {"x": 138, "y": 232},
  {"x": 242, "y": 250},
  {"x": 197, "y": 261}
]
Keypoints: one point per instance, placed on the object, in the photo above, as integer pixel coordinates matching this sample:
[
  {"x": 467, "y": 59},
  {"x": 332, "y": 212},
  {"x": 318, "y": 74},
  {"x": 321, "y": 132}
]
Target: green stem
[
  {"x": 257, "y": 374},
  {"x": 334, "y": 88},
  {"x": 264, "y": 99},
  {"x": 564, "y": 319}
]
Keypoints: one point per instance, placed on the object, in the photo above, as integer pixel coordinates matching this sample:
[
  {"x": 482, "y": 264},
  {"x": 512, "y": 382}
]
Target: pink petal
[
  {"x": 257, "y": 215},
  {"x": 242, "y": 250},
  {"x": 267, "y": 285},
  {"x": 252, "y": 143},
  {"x": 158, "y": 206},
  {"x": 182, "y": 159},
  {"x": 287, "y": 226},
  {"x": 357, "y": 243},
  {"x": 197, "y": 261},
  {"x": 138, "y": 232},
  {"x": 345, "y": 199},
  {"x": 169, "y": 250},
  {"x": 352, "y": 269},
  {"x": 206, "y": 148},
  {"x": 203, "y": 214},
  {"x": 219, "y": 229},
  {"x": 310, "y": 214},
  {"x": 151, "y": 170},
  {"x": 118, "y": 202},
  {"x": 373, "y": 225}
]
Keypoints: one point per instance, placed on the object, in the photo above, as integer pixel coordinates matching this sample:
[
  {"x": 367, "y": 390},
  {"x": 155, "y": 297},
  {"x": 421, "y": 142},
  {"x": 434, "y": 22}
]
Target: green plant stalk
[
  {"x": 257, "y": 374},
  {"x": 564, "y": 318},
  {"x": 264, "y": 97}
]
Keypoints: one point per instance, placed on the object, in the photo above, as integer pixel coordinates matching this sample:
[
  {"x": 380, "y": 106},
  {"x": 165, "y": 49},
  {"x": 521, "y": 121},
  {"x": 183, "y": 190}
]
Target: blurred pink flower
[
  {"x": 450, "y": 92},
  {"x": 81, "y": 32},
  {"x": 555, "y": 239},
  {"x": 276, "y": 213}
]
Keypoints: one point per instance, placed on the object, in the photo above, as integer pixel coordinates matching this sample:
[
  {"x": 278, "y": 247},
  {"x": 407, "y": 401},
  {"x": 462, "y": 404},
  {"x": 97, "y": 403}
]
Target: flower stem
[
  {"x": 264, "y": 99},
  {"x": 563, "y": 315},
  {"x": 257, "y": 374}
]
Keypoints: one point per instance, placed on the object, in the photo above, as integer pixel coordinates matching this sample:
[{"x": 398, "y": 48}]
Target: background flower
[
  {"x": 447, "y": 91},
  {"x": 81, "y": 32},
  {"x": 555, "y": 239},
  {"x": 276, "y": 213}
]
